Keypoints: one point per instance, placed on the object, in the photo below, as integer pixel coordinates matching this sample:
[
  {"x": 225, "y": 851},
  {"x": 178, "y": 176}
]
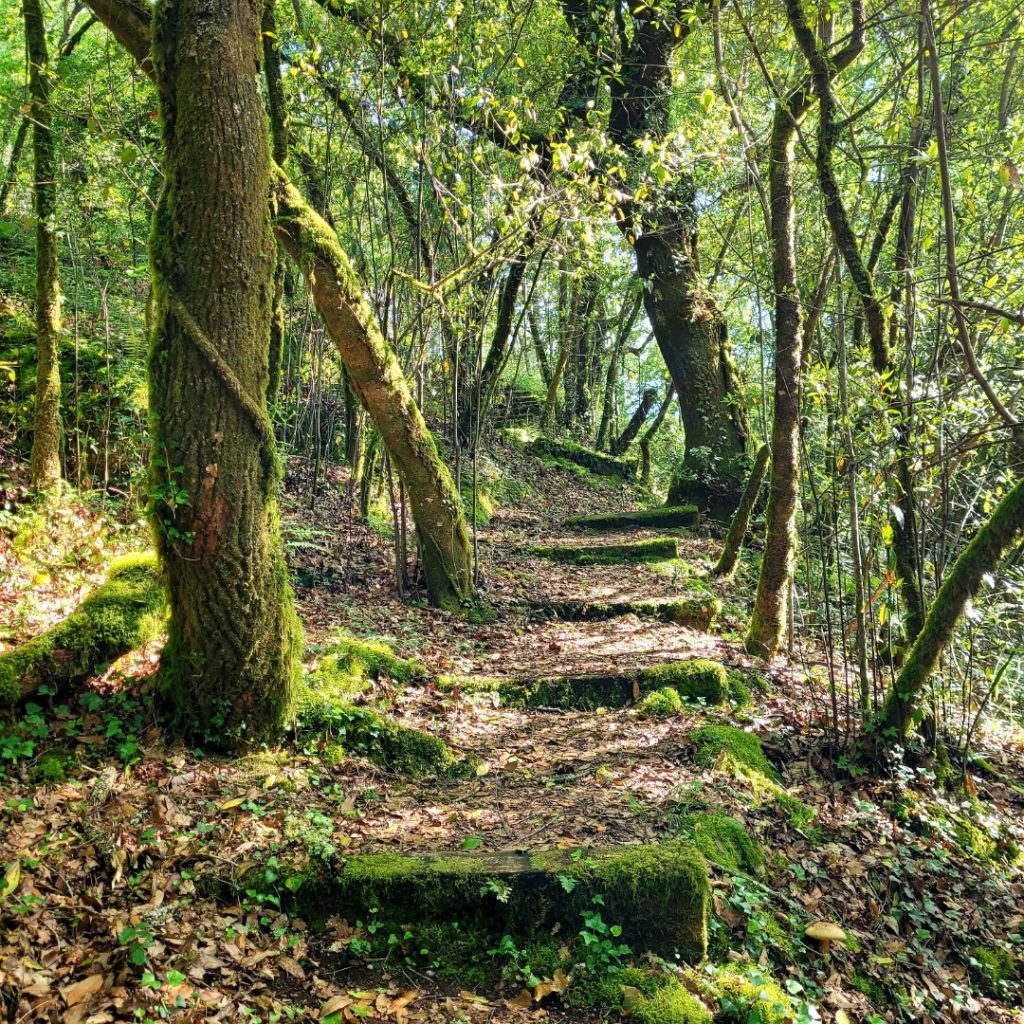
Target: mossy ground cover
[
  {"x": 610, "y": 554},
  {"x": 665, "y": 517},
  {"x": 694, "y": 612}
]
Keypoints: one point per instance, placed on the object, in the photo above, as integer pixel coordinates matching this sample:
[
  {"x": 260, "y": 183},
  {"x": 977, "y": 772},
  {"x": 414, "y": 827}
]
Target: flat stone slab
[
  {"x": 595, "y": 462},
  {"x": 654, "y": 549},
  {"x": 695, "y": 679},
  {"x": 695, "y": 612},
  {"x": 658, "y": 894},
  {"x": 665, "y": 516}
]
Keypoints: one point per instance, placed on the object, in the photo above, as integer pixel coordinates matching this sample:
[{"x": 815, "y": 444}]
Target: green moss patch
[
  {"x": 715, "y": 741},
  {"x": 745, "y": 996},
  {"x": 343, "y": 728},
  {"x": 611, "y": 554},
  {"x": 724, "y": 841},
  {"x": 696, "y": 680},
  {"x": 991, "y": 967},
  {"x": 667, "y": 516},
  {"x": 594, "y": 462},
  {"x": 659, "y": 894},
  {"x": 672, "y": 1003},
  {"x": 663, "y": 703},
  {"x": 121, "y": 614},
  {"x": 350, "y": 665}
]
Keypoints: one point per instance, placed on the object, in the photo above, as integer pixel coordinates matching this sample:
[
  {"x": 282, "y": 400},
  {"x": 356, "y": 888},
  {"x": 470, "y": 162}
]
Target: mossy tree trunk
[
  {"x": 771, "y": 603},
  {"x": 376, "y": 377},
  {"x": 979, "y": 558},
  {"x": 726, "y": 564},
  {"x": 233, "y": 637},
  {"x": 373, "y": 368},
  {"x": 45, "y": 463}
]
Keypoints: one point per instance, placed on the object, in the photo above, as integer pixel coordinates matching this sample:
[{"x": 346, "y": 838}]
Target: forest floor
[{"x": 92, "y": 931}]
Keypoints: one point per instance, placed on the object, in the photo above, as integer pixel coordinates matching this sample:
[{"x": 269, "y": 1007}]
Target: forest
[{"x": 511, "y": 510}]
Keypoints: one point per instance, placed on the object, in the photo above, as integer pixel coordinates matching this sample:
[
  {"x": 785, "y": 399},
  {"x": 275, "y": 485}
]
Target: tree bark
[
  {"x": 233, "y": 638},
  {"x": 979, "y": 558},
  {"x": 636, "y": 422},
  {"x": 771, "y": 603},
  {"x": 45, "y": 462},
  {"x": 376, "y": 377},
  {"x": 726, "y": 564}
]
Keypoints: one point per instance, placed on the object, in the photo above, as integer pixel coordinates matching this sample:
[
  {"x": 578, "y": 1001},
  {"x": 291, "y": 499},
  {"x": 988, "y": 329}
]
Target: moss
[
  {"x": 696, "y": 612},
  {"x": 367, "y": 734},
  {"x": 658, "y": 893},
  {"x": 991, "y": 967},
  {"x": 350, "y": 664},
  {"x": 973, "y": 839},
  {"x": 611, "y": 554},
  {"x": 698, "y": 679},
  {"x": 749, "y": 997},
  {"x": 724, "y": 841},
  {"x": 714, "y": 741},
  {"x": 663, "y": 703},
  {"x": 51, "y": 768},
  {"x": 671, "y": 1004},
  {"x": 739, "y": 692},
  {"x": 123, "y": 613},
  {"x": 871, "y": 988},
  {"x": 593, "y": 462},
  {"x": 666, "y": 516}
]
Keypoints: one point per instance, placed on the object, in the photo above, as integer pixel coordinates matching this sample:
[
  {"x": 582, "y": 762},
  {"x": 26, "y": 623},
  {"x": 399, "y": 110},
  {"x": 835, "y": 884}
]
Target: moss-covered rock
[
  {"x": 343, "y": 727},
  {"x": 611, "y": 554},
  {"x": 350, "y": 665},
  {"x": 696, "y": 680},
  {"x": 672, "y": 1003},
  {"x": 663, "y": 703},
  {"x": 659, "y": 894},
  {"x": 695, "y": 612},
  {"x": 123, "y": 613},
  {"x": 991, "y": 967},
  {"x": 724, "y": 841},
  {"x": 51, "y": 768},
  {"x": 667, "y": 516},
  {"x": 594, "y": 462},
  {"x": 715, "y": 741}
]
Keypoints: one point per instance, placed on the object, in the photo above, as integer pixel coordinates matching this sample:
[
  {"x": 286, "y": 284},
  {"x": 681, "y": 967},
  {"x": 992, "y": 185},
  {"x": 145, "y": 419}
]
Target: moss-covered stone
[
  {"x": 611, "y": 554},
  {"x": 695, "y": 612},
  {"x": 350, "y": 665},
  {"x": 667, "y": 516},
  {"x": 659, "y": 894},
  {"x": 672, "y": 1003},
  {"x": 991, "y": 967},
  {"x": 663, "y": 703},
  {"x": 123, "y": 613},
  {"x": 713, "y": 741},
  {"x": 697, "y": 680},
  {"x": 746, "y": 996},
  {"x": 365, "y": 733},
  {"x": 724, "y": 841},
  {"x": 594, "y": 462},
  {"x": 51, "y": 768}
]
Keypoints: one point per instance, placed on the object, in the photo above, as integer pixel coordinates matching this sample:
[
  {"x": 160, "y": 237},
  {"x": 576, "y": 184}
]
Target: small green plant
[{"x": 599, "y": 946}]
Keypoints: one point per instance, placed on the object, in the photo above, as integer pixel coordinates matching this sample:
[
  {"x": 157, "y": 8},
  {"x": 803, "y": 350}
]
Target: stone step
[
  {"x": 658, "y": 894},
  {"x": 595, "y": 462},
  {"x": 694, "y": 680},
  {"x": 695, "y": 612},
  {"x": 654, "y": 549},
  {"x": 665, "y": 516}
]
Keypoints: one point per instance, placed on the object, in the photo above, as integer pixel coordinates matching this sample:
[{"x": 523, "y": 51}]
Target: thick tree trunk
[
  {"x": 771, "y": 604},
  {"x": 45, "y": 463},
  {"x": 979, "y": 558},
  {"x": 693, "y": 338},
  {"x": 233, "y": 638},
  {"x": 376, "y": 377}
]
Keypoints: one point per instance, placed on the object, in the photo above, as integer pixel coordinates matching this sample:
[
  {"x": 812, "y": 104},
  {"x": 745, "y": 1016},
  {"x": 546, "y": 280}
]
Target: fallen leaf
[{"x": 82, "y": 990}]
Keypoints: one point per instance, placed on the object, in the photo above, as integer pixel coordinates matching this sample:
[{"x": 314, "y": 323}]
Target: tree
[
  {"x": 45, "y": 465},
  {"x": 233, "y": 637}
]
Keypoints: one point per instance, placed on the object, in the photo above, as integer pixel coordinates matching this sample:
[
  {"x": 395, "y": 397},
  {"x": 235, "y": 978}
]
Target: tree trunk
[
  {"x": 771, "y": 604},
  {"x": 639, "y": 417},
  {"x": 693, "y": 338},
  {"x": 376, "y": 377},
  {"x": 11, "y": 173},
  {"x": 726, "y": 564},
  {"x": 233, "y": 638},
  {"x": 45, "y": 463},
  {"x": 979, "y": 558}
]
